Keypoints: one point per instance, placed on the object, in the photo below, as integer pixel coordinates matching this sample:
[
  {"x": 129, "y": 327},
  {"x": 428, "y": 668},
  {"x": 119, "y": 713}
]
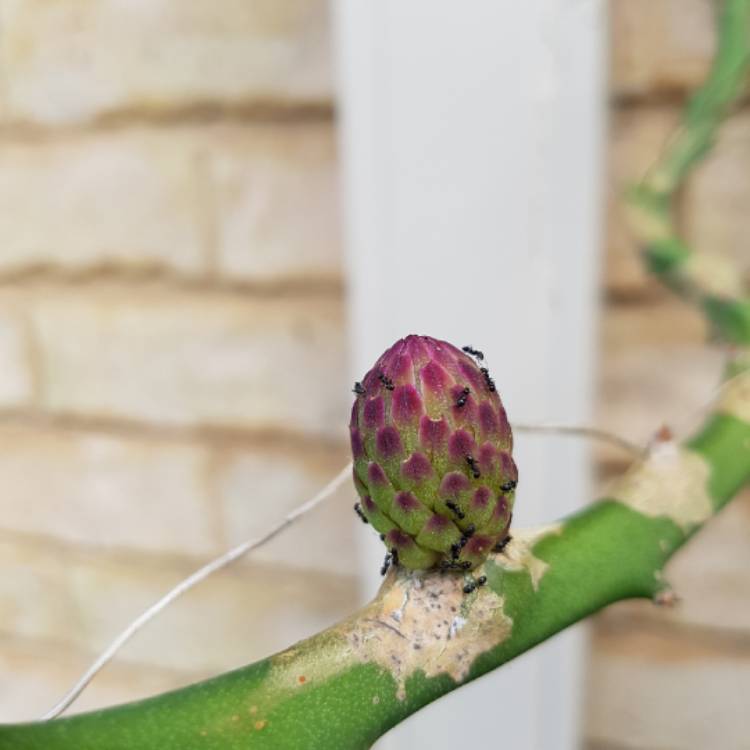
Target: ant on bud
[
  {"x": 488, "y": 380},
  {"x": 473, "y": 352},
  {"x": 473, "y": 466},
  {"x": 394, "y": 555},
  {"x": 462, "y": 398},
  {"x": 359, "y": 389},
  {"x": 473, "y": 585},
  {"x": 460, "y": 515},
  {"x": 360, "y": 513},
  {"x": 470, "y": 531},
  {"x": 386, "y": 381},
  {"x": 501, "y": 545},
  {"x": 386, "y": 565},
  {"x": 509, "y": 485}
]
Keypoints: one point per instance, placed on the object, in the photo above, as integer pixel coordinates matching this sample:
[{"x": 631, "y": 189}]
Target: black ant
[
  {"x": 488, "y": 380},
  {"x": 501, "y": 545},
  {"x": 473, "y": 466},
  {"x": 394, "y": 555},
  {"x": 470, "y": 531},
  {"x": 462, "y": 398},
  {"x": 359, "y": 389},
  {"x": 472, "y": 585},
  {"x": 460, "y": 515},
  {"x": 449, "y": 565},
  {"x": 473, "y": 352},
  {"x": 386, "y": 381},
  {"x": 509, "y": 485},
  {"x": 358, "y": 511},
  {"x": 386, "y": 565},
  {"x": 455, "y": 550}
]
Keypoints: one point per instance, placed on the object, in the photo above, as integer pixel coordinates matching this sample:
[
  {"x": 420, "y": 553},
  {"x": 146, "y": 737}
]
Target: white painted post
[{"x": 471, "y": 144}]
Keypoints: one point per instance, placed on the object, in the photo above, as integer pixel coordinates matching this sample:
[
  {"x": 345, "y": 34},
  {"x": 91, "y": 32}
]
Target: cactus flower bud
[{"x": 432, "y": 452}]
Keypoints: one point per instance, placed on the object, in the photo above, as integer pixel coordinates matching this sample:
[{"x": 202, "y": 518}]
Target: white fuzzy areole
[
  {"x": 424, "y": 621},
  {"x": 670, "y": 482},
  {"x": 518, "y": 554},
  {"x": 735, "y": 400}
]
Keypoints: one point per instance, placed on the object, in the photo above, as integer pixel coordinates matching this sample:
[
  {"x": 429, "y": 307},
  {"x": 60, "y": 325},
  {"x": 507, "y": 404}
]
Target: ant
[
  {"x": 509, "y": 485},
  {"x": 394, "y": 555},
  {"x": 386, "y": 565},
  {"x": 359, "y": 389},
  {"x": 501, "y": 545},
  {"x": 473, "y": 466},
  {"x": 473, "y": 352},
  {"x": 386, "y": 381},
  {"x": 488, "y": 380},
  {"x": 358, "y": 511},
  {"x": 456, "y": 510},
  {"x": 470, "y": 531},
  {"x": 472, "y": 585},
  {"x": 462, "y": 398}
]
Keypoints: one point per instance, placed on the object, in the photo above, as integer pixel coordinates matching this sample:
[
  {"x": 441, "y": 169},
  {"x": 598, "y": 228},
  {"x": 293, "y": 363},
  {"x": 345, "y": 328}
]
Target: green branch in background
[
  {"x": 422, "y": 636},
  {"x": 704, "y": 277}
]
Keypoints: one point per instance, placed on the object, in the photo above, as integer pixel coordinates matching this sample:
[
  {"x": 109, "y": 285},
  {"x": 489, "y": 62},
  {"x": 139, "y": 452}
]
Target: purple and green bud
[{"x": 432, "y": 452}]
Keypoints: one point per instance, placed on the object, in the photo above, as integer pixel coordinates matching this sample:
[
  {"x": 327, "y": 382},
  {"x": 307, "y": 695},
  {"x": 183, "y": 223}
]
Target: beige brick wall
[
  {"x": 670, "y": 678},
  {"x": 172, "y": 350}
]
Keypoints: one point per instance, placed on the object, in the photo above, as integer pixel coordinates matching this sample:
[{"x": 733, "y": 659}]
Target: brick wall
[
  {"x": 171, "y": 337},
  {"x": 672, "y": 678}
]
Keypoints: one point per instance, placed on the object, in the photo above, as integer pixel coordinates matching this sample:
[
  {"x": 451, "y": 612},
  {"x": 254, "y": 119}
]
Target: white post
[{"x": 471, "y": 145}]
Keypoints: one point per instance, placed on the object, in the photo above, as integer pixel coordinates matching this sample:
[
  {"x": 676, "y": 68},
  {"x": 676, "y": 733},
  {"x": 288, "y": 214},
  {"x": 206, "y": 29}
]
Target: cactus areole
[{"x": 432, "y": 452}]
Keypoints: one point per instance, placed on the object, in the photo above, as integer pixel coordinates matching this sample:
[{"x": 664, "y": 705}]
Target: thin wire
[
  {"x": 202, "y": 573},
  {"x": 581, "y": 430}
]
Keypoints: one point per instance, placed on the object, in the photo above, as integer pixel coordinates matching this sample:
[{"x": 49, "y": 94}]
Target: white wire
[
  {"x": 202, "y": 573},
  {"x": 581, "y": 430}
]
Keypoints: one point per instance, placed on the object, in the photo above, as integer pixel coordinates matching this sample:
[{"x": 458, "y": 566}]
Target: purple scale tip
[
  {"x": 460, "y": 445},
  {"x": 417, "y": 467},
  {"x": 434, "y": 377},
  {"x": 388, "y": 442},
  {"x": 433, "y": 433},
  {"x": 481, "y": 497},
  {"x": 398, "y": 539},
  {"x": 479, "y": 545},
  {"x": 369, "y": 504},
  {"x": 406, "y": 404},
  {"x": 407, "y": 502},
  {"x": 374, "y": 413},
  {"x": 453, "y": 484},
  {"x": 376, "y": 475},
  {"x": 437, "y": 523},
  {"x": 358, "y": 447},
  {"x": 488, "y": 420}
]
